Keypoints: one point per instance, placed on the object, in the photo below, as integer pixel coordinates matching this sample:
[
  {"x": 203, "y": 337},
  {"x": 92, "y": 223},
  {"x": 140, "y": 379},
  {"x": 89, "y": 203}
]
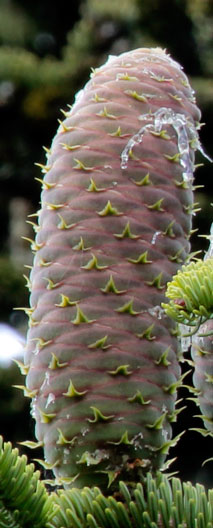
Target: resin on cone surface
[
  {"x": 113, "y": 228},
  {"x": 202, "y": 348}
]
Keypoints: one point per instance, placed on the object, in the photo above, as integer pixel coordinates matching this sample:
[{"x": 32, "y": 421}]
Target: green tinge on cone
[
  {"x": 114, "y": 227},
  {"x": 202, "y": 355}
]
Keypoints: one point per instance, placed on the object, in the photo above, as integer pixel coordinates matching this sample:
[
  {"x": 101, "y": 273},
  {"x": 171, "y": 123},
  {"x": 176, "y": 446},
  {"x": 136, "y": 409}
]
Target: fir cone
[{"x": 114, "y": 227}]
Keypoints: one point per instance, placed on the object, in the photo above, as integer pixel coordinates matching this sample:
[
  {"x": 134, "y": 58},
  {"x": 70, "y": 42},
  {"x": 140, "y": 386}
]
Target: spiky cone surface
[
  {"x": 202, "y": 355},
  {"x": 113, "y": 228}
]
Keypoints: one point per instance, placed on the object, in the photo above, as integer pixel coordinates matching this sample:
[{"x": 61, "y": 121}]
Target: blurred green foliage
[
  {"x": 12, "y": 285},
  {"x": 46, "y": 52}
]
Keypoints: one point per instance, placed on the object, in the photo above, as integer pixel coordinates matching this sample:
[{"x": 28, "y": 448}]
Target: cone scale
[
  {"x": 201, "y": 351},
  {"x": 113, "y": 228}
]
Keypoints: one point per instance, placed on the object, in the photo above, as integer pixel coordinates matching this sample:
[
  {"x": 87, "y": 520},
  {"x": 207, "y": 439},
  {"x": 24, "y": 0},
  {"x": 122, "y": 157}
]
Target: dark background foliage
[{"x": 46, "y": 51}]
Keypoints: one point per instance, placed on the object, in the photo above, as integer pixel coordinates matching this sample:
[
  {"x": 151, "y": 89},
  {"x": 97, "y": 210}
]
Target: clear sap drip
[
  {"x": 165, "y": 434},
  {"x": 209, "y": 253},
  {"x": 33, "y": 407},
  {"x": 84, "y": 431},
  {"x": 199, "y": 341},
  {"x": 46, "y": 380},
  {"x": 185, "y": 131},
  {"x": 50, "y": 399},
  {"x": 185, "y": 340},
  {"x": 155, "y": 236},
  {"x": 135, "y": 140},
  {"x": 108, "y": 167},
  {"x": 156, "y": 311},
  {"x": 202, "y": 151},
  {"x": 137, "y": 441},
  {"x": 66, "y": 455}
]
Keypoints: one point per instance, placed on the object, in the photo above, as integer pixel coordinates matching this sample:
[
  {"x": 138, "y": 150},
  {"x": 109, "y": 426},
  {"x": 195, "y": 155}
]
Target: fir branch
[
  {"x": 24, "y": 501},
  {"x": 154, "y": 503}
]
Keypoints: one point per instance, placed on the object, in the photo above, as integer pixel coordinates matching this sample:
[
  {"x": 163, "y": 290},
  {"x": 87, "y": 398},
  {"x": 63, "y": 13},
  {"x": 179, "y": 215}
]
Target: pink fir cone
[
  {"x": 202, "y": 348},
  {"x": 114, "y": 227},
  {"x": 202, "y": 355}
]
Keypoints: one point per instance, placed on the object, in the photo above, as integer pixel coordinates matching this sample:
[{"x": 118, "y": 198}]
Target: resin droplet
[{"x": 184, "y": 129}]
